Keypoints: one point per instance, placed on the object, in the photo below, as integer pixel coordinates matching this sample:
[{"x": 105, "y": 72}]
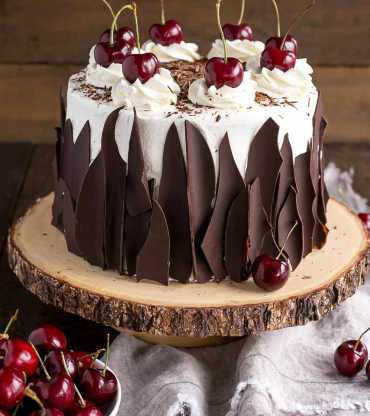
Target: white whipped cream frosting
[
  {"x": 240, "y": 49},
  {"x": 157, "y": 93},
  {"x": 182, "y": 51},
  {"x": 225, "y": 97},
  {"x": 293, "y": 85}
]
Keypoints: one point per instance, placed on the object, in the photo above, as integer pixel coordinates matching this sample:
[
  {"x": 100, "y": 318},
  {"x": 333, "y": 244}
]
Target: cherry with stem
[
  {"x": 5, "y": 335},
  {"x": 223, "y": 71},
  {"x": 79, "y": 395},
  {"x": 109, "y": 7},
  {"x": 166, "y": 33}
]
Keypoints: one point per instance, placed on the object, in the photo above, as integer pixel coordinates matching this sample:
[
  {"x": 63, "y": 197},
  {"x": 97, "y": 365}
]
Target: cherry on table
[
  {"x": 4, "y": 412},
  {"x": 290, "y": 43},
  {"x": 48, "y": 337},
  {"x": 47, "y": 412},
  {"x": 140, "y": 66},
  {"x": 167, "y": 34},
  {"x": 234, "y": 32},
  {"x": 272, "y": 58},
  {"x": 54, "y": 363},
  {"x": 19, "y": 354},
  {"x": 58, "y": 392},
  {"x": 90, "y": 410},
  {"x": 365, "y": 218},
  {"x": 12, "y": 387},
  {"x": 217, "y": 72},
  {"x": 106, "y": 54},
  {"x": 82, "y": 359},
  {"x": 350, "y": 357},
  {"x": 269, "y": 273},
  {"x": 124, "y": 34},
  {"x": 99, "y": 386}
]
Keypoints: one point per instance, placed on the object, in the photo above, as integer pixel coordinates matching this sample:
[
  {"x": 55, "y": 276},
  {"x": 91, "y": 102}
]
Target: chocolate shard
[
  {"x": 137, "y": 192},
  {"x": 62, "y": 103},
  {"x": 323, "y": 197},
  {"x": 58, "y": 151},
  {"x": 258, "y": 224},
  {"x": 80, "y": 160},
  {"x": 305, "y": 199},
  {"x": 154, "y": 259},
  {"x": 69, "y": 222},
  {"x": 66, "y": 154},
  {"x": 230, "y": 184},
  {"x": 174, "y": 202},
  {"x": 290, "y": 229},
  {"x": 236, "y": 237},
  {"x": 57, "y": 208},
  {"x": 264, "y": 162},
  {"x": 115, "y": 190},
  {"x": 316, "y": 146},
  {"x": 285, "y": 177},
  {"x": 201, "y": 191},
  {"x": 90, "y": 214}
]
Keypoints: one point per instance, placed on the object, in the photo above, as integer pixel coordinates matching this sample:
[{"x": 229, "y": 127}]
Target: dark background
[{"x": 43, "y": 41}]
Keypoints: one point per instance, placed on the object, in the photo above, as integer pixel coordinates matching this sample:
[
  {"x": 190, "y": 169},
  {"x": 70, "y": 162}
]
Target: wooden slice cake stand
[{"x": 191, "y": 314}]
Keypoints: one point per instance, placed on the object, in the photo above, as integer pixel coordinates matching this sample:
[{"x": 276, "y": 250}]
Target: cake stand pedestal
[{"x": 191, "y": 314}]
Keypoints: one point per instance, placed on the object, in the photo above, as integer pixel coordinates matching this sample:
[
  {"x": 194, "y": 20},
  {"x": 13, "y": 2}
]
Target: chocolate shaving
[
  {"x": 66, "y": 154},
  {"x": 90, "y": 214},
  {"x": 69, "y": 222},
  {"x": 305, "y": 199},
  {"x": 115, "y": 188},
  {"x": 153, "y": 260},
  {"x": 236, "y": 238},
  {"x": 80, "y": 160},
  {"x": 293, "y": 243},
  {"x": 264, "y": 162},
  {"x": 57, "y": 208},
  {"x": 174, "y": 202},
  {"x": 258, "y": 225},
  {"x": 201, "y": 191},
  {"x": 230, "y": 184}
]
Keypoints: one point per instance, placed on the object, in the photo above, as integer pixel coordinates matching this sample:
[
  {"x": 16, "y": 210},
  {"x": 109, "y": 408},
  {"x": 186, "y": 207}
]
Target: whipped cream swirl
[
  {"x": 182, "y": 51},
  {"x": 225, "y": 97},
  {"x": 240, "y": 49},
  {"x": 158, "y": 92},
  {"x": 294, "y": 84}
]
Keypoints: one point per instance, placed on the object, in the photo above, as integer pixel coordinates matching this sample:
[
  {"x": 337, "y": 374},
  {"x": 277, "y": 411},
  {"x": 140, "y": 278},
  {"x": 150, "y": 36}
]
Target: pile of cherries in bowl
[{"x": 41, "y": 376}]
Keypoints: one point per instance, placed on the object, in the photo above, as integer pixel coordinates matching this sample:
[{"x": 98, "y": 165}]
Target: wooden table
[{"x": 25, "y": 172}]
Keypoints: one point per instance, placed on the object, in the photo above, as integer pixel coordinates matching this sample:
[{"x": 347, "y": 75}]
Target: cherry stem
[
  {"x": 47, "y": 375},
  {"x": 93, "y": 355},
  {"x": 33, "y": 396},
  {"x": 286, "y": 240},
  {"x": 107, "y": 355},
  {"x": 242, "y": 13},
  {"x": 9, "y": 325},
  {"x": 114, "y": 23},
  {"x": 134, "y": 9},
  {"x": 298, "y": 18},
  {"x": 218, "y": 10},
  {"x": 163, "y": 13},
  {"x": 110, "y": 9},
  {"x": 277, "y": 17},
  {"x": 360, "y": 338},
  {"x": 80, "y": 398},
  {"x": 15, "y": 411}
]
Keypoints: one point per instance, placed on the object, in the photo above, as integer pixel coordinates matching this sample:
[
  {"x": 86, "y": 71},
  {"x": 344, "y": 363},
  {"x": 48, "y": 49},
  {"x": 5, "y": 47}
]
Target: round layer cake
[{"x": 190, "y": 184}]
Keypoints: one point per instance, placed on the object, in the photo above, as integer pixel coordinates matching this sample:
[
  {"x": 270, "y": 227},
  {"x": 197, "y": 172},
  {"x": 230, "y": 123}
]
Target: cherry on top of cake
[
  {"x": 241, "y": 30},
  {"x": 281, "y": 51}
]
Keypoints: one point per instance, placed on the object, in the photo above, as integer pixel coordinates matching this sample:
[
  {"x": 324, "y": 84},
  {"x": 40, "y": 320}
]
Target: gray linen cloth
[{"x": 282, "y": 373}]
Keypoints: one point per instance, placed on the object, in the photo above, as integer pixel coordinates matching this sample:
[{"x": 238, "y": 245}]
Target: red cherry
[
  {"x": 19, "y": 354},
  {"x": 77, "y": 406},
  {"x": 269, "y": 273},
  {"x": 348, "y": 360},
  {"x": 4, "y": 412},
  {"x": 48, "y": 412},
  {"x": 276, "y": 58},
  {"x": 12, "y": 387},
  {"x": 166, "y": 34},
  {"x": 48, "y": 337},
  {"x": 233, "y": 32},
  {"x": 290, "y": 44},
  {"x": 365, "y": 218},
  {"x": 107, "y": 54},
  {"x": 124, "y": 34},
  {"x": 54, "y": 363},
  {"x": 140, "y": 66},
  {"x": 89, "y": 410},
  {"x": 98, "y": 387},
  {"x": 217, "y": 72},
  {"x": 59, "y": 392},
  {"x": 82, "y": 359}
]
